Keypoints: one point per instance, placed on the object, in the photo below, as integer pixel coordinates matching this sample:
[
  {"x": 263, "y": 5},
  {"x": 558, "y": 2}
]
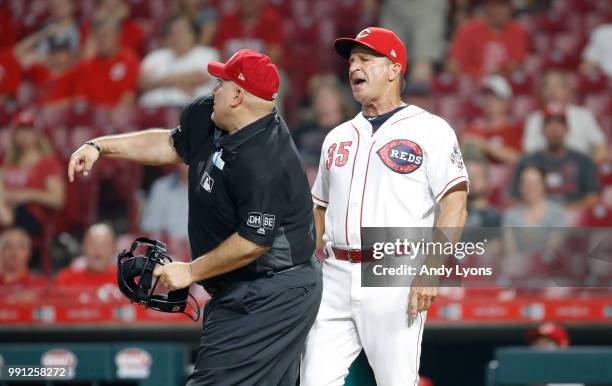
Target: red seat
[
  {"x": 500, "y": 178},
  {"x": 81, "y": 206},
  {"x": 594, "y": 82},
  {"x": 599, "y": 104},
  {"x": 67, "y": 139},
  {"x": 553, "y": 21},
  {"x": 597, "y": 216},
  {"x": 451, "y": 108},
  {"x": 120, "y": 180},
  {"x": 559, "y": 60},
  {"x": 522, "y": 83},
  {"x": 147, "y": 117},
  {"x": 444, "y": 84},
  {"x": 605, "y": 173},
  {"x": 569, "y": 43}
]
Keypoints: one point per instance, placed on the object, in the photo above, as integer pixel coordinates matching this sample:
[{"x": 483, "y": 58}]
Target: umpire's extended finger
[{"x": 71, "y": 168}]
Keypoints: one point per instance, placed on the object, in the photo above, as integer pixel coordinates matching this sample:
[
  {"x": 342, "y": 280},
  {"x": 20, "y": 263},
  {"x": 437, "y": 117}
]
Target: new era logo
[
  {"x": 241, "y": 76},
  {"x": 393, "y": 53}
]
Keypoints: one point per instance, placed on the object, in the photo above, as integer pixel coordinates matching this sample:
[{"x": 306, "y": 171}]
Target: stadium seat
[
  {"x": 444, "y": 84},
  {"x": 500, "y": 178},
  {"x": 597, "y": 216},
  {"x": 605, "y": 173},
  {"x": 599, "y": 104},
  {"x": 592, "y": 83},
  {"x": 522, "y": 83},
  {"x": 66, "y": 139},
  {"x": 147, "y": 117},
  {"x": 553, "y": 21},
  {"x": 81, "y": 206},
  {"x": 450, "y": 107},
  {"x": 119, "y": 183}
]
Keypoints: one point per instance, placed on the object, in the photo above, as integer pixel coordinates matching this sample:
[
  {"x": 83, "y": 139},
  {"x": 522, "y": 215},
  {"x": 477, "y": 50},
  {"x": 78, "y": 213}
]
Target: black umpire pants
[{"x": 254, "y": 331}]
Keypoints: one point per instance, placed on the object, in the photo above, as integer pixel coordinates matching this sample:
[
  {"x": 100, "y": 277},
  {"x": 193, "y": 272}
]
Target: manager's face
[{"x": 369, "y": 74}]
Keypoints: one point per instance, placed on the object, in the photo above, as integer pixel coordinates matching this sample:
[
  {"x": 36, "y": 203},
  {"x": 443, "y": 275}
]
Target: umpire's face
[
  {"x": 228, "y": 97},
  {"x": 372, "y": 75}
]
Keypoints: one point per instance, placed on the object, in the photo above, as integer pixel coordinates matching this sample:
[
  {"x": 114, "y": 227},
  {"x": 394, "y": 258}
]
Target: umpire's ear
[{"x": 238, "y": 98}]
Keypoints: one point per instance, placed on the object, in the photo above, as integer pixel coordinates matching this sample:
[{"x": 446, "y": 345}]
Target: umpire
[{"x": 250, "y": 223}]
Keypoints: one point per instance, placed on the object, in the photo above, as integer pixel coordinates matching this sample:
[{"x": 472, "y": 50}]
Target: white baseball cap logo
[
  {"x": 393, "y": 53},
  {"x": 363, "y": 33},
  {"x": 240, "y": 76}
]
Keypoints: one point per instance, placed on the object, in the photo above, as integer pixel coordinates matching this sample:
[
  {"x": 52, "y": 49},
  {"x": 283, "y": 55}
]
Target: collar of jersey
[
  {"x": 231, "y": 142},
  {"x": 362, "y": 123}
]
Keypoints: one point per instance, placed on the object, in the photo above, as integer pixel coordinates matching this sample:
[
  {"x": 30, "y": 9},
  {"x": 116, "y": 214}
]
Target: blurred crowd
[{"x": 526, "y": 85}]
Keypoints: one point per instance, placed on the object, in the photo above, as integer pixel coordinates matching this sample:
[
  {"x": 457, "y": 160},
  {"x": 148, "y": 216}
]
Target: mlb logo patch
[{"x": 207, "y": 182}]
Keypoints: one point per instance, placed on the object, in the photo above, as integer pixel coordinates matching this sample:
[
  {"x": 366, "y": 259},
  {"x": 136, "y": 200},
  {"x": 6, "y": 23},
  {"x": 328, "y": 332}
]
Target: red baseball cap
[
  {"x": 251, "y": 70},
  {"x": 25, "y": 118},
  {"x": 381, "y": 40},
  {"x": 550, "y": 330},
  {"x": 555, "y": 111}
]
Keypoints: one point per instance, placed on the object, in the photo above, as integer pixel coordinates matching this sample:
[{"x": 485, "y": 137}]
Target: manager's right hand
[{"x": 82, "y": 160}]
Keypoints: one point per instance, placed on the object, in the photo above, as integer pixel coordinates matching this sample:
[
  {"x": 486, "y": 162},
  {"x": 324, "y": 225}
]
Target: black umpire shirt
[{"x": 250, "y": 182}]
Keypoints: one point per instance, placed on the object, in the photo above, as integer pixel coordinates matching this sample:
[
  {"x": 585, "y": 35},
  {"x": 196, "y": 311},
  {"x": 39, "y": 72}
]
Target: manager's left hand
[{"x": 174, "y": 276}]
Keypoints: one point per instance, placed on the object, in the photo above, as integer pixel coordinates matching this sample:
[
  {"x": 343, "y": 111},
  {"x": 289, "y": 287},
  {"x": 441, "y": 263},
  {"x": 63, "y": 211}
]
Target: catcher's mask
[{"x": 135, "y": 279}]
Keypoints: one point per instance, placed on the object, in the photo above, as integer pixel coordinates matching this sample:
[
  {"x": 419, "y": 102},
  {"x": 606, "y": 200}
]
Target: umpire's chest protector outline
[{"x": 393, "y": 177}]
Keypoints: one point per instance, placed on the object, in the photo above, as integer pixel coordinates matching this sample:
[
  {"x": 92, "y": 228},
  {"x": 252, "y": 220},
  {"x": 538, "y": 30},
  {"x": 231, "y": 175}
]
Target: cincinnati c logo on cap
[{"x": 363, "y": 33}]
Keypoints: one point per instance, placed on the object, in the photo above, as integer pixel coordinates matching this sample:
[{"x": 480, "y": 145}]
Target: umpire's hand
[
  {"x": 174, "y": 276},
  {"x": 82, "y": 160}
]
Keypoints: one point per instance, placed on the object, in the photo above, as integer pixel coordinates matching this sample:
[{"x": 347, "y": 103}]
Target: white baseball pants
[{"x": 351, "y": 317}]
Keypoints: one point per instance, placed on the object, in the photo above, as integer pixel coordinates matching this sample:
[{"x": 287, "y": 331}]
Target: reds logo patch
[{"x": 401, "y": 155}]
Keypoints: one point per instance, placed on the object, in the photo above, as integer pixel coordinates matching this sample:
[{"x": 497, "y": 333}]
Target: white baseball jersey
[{"x": 392, "y": 178}]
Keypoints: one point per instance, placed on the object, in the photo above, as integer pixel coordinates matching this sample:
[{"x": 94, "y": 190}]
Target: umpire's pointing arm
[{"x": 149, "y": 147}]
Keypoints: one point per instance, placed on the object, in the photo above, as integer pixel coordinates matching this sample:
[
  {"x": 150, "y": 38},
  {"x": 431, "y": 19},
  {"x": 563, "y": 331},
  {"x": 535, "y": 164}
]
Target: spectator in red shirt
[
  {"x": 110, "y": 77},
  {"x": 52, "y": 73},
  {"x": 32, "y": 178},
  {"x": 253, "y": 26},
  {"x": 493, "y": 44},
  {"x": 92, "y": 276},
  {"x": 17, "y": 283},
  {"x": 494, "y": 134},
  {"x": 131, "y": 35},
  {"x": 10, "y": 77}
]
